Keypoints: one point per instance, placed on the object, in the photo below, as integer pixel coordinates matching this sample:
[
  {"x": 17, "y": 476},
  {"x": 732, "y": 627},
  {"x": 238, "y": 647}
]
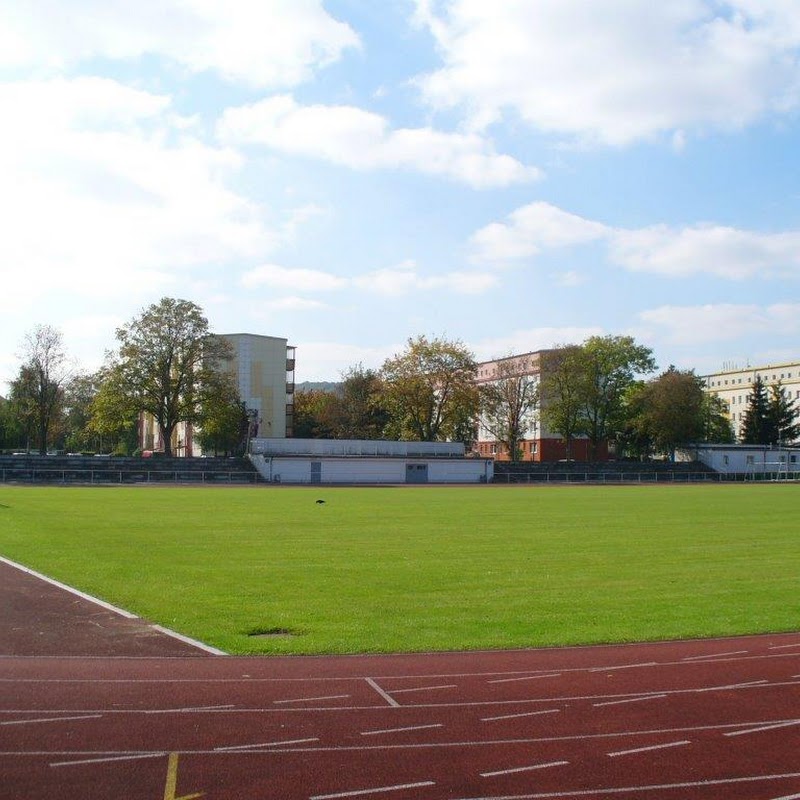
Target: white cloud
[
  {"x": 324, "y": 361},
  {"x": 614, "y": 71},
  {"x": 686, "y": 325},
  {"x": 363, "y": 140},
  {"x": 714, "y": 249},
  {"x": 274, "y": 43},
  {"x": 531, "y": 229},
  {"x": 300, "y": 280},
  {"x": 718, "y": 250},
  {"x": 294, "y": 304},
  {"x": 106, "y": 193},
  {"x": 403, "y": 279}
]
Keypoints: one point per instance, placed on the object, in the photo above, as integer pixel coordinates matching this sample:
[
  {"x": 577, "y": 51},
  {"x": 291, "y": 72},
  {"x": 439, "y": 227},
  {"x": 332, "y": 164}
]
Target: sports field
[{"x": 409, "y": 569}]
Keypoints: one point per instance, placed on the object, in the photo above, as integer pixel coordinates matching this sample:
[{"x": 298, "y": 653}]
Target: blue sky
[{"x": 348, "y": 174}]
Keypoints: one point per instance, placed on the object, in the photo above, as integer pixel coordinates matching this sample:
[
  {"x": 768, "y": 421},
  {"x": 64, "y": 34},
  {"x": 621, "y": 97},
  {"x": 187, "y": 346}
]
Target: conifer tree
[{"x": 756, "y": 423}]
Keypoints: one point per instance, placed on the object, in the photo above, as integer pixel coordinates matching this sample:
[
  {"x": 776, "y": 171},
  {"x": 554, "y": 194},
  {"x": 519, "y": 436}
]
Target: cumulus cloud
[
  {"x": 404, "y": 278},
  {"x": 309, "y": 280},
  {"x": 275, "y": 43},
  {"x": 363, "y": 140},
  {"x": 614, "y": 72},
  {"x": 718, "y": 250},
  {"x": 683, "y": 325},
  {"x": 106, "y": 192}
]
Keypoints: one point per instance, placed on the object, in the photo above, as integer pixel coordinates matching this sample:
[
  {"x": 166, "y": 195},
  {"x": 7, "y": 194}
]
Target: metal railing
[
  {"x": 630, "y": 476},
  {"x": 122, "y": 476}
]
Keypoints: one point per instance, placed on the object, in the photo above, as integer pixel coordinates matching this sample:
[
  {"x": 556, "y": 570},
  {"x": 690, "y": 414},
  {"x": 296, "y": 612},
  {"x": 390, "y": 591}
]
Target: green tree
[
  {"x": 561, "y": 392},
  {"x": 430, "y": 390},
  {"x": 223, "y": 419},
  {"x": 316, "y": 414},
  {"x": 167, "y": 365},
  {"x": 37, "y": 394},
  {"x": 756, "y": 424},
  {"x": 672, "y": 410},
  {"x": 784, "y": 427},
  {"x": 509, "y": 403},
  {"x": 609, "y": 365},
  {"x": 114, "y": 420},
  {"x": 363, "y": 413},
  {"x": 717, "y": 426}
]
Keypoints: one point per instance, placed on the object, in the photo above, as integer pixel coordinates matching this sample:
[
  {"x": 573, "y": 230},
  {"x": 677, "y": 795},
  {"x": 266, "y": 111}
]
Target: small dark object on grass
[{"x": 320, "y": 502}]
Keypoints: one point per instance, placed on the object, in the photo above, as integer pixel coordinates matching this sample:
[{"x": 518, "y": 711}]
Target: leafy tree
[
  {"x": 223, "y": 419},
  {"x": 608, "y": 365},
  {"x": 37, "y": 394},
  {"x": 635, "y": 436},
  {"x": 717, "y": 426},
  {"x": 562, "y": 392},
  {"x": 79, "y": 395},
  {"x": 363, "y": 413},
  {"x": 672, "y": 410},
  {"x": 167, "y": 365},
  {"x": 114, "y": 420},
  {"x": 784, "y": 426},
  {"x": 756, "y": 424},
  {"x": 316, "y": 414},
  {"x": 430, "y": 389},
  {"x": 508, "y": 404},
  {"x": 12, "y": 435}
]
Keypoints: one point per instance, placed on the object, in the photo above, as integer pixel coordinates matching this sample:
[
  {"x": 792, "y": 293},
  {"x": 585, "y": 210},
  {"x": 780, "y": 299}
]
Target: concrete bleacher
[
  {"x": 601, "y": 472},
  {"x": 108, "y": 470}
]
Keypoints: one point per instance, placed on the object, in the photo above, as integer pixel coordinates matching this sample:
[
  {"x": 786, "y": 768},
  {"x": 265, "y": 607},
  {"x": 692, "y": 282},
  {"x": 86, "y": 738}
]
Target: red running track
[{"x": 667, "y": 721}]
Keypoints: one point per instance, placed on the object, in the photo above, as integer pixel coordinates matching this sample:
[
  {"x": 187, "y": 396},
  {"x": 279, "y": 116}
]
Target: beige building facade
[{"x": 733, "y": 385}]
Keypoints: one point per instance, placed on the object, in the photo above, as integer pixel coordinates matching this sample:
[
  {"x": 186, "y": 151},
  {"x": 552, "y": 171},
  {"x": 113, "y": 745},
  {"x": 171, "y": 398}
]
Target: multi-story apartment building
[
  {"x": 263, "y": 367},
  {"x": 538, "y": 444},
  {"x": 733, "y": 385}
]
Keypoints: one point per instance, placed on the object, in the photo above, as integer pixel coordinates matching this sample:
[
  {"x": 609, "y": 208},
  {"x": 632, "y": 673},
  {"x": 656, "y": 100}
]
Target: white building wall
[
  {"x": 744, "y": 459},
  {"x": 355, "y": 447}
]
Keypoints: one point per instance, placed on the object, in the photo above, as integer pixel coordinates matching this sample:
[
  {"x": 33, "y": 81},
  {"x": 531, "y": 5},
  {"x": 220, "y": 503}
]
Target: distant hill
[{"x": 318, "y": 386}]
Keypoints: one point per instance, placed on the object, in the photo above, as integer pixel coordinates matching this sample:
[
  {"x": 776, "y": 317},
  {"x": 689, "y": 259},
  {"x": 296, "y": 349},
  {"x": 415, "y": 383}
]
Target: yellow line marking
[{"x": 172, "y": 781}]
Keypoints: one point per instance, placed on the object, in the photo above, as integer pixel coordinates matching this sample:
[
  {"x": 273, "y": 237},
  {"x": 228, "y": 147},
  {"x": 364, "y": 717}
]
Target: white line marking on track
[
  {"x": 108, "y": 758},
  {"x": 648, "y": 749},
  {"x": 385, "y": 695},
  {"x": 188, "y": 640},
  {"x": 361, "y": 792},
  {"x": 637, "y": 790},
  {"x": 731, "y": 686},
  {"x": 401, "y": 730},
  {"x": 262, "y": 744},
  {"x": 189, "y": 710},
  {"x": 424, "y": 688},
  {"x": 524, "y": 714},
  {"x": 51, "y": 719},
  {"x": 785, "y": 724},
  {"x": 715, "y": 655},
  {"x": 526, "y": 678},
  {"x": 624, "y": 666},
  {"x": 788, "y": 797},
  {"x": 785, "y": 647},
  {"x": 629, "y": 700},
  {"x": 524, "y": 769},
  {"x": 309, "y": 699}
]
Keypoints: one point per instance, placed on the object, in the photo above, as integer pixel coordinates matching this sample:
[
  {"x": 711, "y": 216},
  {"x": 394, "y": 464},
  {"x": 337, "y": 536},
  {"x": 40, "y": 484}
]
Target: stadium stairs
[
  {"x": 109, "y": 470},
  {"x": 602, "y": 472}
]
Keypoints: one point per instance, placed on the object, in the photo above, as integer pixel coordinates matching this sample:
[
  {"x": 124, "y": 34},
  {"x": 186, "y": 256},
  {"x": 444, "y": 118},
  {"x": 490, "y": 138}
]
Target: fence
[
  {"x": 124, "y": 476},
  {"x": 630, "y": 476}
]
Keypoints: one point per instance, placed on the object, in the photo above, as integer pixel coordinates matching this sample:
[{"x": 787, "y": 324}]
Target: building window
[
  {"x": 750, "y": 460},
  {"x": 725, "y": 460},
  {"x": 494, "y": 449}
]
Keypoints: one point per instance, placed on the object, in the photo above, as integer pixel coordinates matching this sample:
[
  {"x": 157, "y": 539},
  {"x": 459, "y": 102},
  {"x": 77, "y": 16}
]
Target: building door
[
  {"x": 316, "y": 472},
  {"x": 416, "y": 473}
]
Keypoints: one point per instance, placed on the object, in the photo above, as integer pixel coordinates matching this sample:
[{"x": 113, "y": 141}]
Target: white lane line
[
  {"x": 630, "y": 700},
  {"x": 190, "y": 710},
  {"x": 524, "y": 769},
  {"x": 261, "y": 744},
  {"x": 526, "y": 678},
  {"x": 400, "y": 730},
  {"x": 524, "y": 714},
  {"x": 715, "y": 655},
  {"x": 51, "y": 719},
  {"x": 102, "y": 603},
  {"x": 104, "y": 760},
  {"x": 361, "y": 792},
  {"x": 648, "y": 749},
  {"x": 784, "y": 647},
  {"x": 425, "y": 688},
  {"x": 638, "y": 790},
  {"x": 188, "y": 640},
  {"x": 788, "y": 797},
  {"x": 785, "y": 724},
  {"x": 385, "y": 695},
  {"x": 309, "y": 699},
  {"x": 624, "y": 666},
  {"x": 731, "y": 686}
]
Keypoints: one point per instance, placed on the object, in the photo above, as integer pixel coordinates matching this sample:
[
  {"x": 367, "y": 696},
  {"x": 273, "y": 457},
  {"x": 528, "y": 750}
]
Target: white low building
[
  {"x": 357, "y": 461},
  {"x": 749, "y": 459}
]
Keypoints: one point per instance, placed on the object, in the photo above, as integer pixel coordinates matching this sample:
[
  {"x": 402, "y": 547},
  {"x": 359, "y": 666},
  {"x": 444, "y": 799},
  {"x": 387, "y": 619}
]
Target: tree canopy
[{"x": 167, "y": 364}]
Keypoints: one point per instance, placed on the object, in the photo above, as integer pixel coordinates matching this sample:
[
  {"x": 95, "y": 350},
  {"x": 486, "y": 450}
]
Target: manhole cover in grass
[{"x": 271, "y": 633}]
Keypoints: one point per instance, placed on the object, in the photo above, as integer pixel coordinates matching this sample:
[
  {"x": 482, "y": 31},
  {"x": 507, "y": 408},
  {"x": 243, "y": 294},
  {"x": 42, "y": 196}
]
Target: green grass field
[{"x": 403, "y": 569}]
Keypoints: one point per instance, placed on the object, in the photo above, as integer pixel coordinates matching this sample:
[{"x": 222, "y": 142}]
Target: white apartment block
[{"x": 733, "y": 386}]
